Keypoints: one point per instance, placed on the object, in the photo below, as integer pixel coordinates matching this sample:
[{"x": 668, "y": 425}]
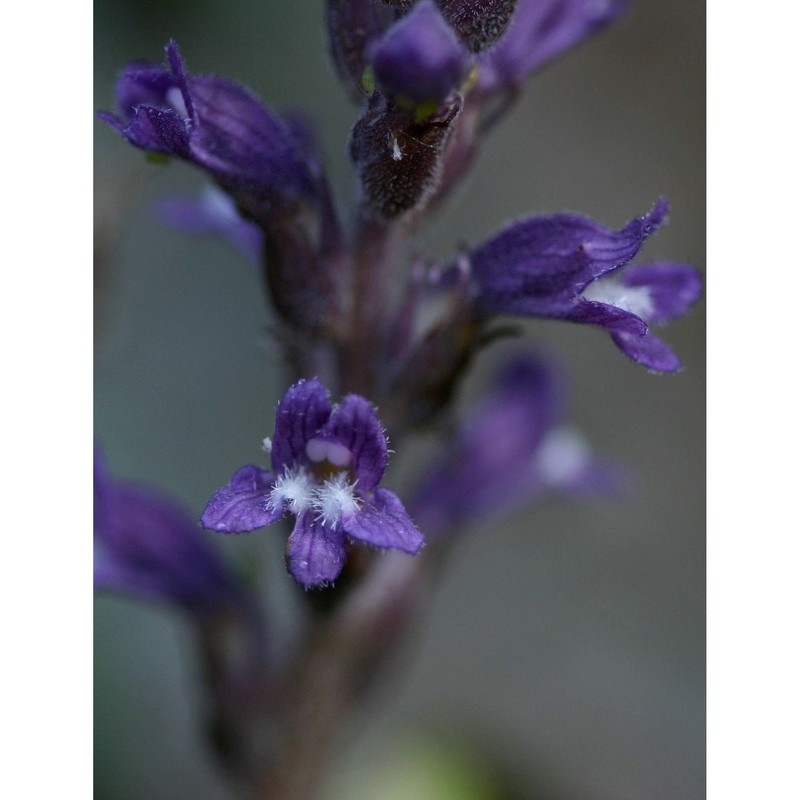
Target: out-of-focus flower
[
  {"x": 146, "y": 545},
  {"x": 511, "y": 449},
  {"x": 541, "y": 30},
  {"x": 327, "y": 462},
  {"x": 213, "y": 212},
  {"x": 562, "y": 267}
]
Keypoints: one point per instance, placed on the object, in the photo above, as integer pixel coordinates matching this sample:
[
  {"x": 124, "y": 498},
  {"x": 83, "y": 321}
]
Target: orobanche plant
[{"x": 366, "y": 364}]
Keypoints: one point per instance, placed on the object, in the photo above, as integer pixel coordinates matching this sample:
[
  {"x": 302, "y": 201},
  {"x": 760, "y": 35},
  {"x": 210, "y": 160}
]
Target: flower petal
[
  {"x": 355, "y": 425},
  {"x": 144, "y": 83},
  {"x": 220, "y": 126},
  {"x": 539, "y": 31},
  {"x": 156, "y": 131},
  {"x": 420, "y": 58},
  {"x": 315, "y": 553},
  {"x": 610, "y": 317},
  {"x": 648, "y": 350},
  {"x": 673, "y": 288},
  {"x": 146, "y": 544},
  {"x": 483, "y": 471},
  {"x": 539, "y": 265},
  {"x": 214, "y": 212},
  {"x": 241, "y": 506},
  {"x": 303, "y": 411},
  {"x": 383, "y": 522}
]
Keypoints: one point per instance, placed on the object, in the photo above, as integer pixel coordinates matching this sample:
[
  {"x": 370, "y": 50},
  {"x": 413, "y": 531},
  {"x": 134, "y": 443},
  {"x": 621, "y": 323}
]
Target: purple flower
[
  {"x": 146, "y": 545},
  {"x": 564, "y": 267},
  {"x": 541, "y": 30},
  {"x": 218, "y": 126},
  {"x": 511, "y": 449},
  {"x": 213, "y": 212},
  {"x": 327, "y": 462},
  {"x": 419, "y": 59}
]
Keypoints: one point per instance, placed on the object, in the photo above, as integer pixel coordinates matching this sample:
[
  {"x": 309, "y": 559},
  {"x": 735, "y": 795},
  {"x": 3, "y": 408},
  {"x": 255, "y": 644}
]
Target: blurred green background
[{"x": 563, "y": 657}]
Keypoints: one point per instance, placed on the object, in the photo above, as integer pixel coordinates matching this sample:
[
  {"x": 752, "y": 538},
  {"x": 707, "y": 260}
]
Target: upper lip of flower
[{"x": 565, "y": 267}]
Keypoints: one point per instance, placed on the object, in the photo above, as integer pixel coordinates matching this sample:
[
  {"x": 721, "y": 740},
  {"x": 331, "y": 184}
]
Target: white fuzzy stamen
[
  {"x": 293, "y": 490},
  {"x": 335, "y": 499},
  {"x": 635, "y": 299}
]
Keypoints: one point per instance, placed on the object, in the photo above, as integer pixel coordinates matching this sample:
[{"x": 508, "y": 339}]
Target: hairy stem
[{"x": 342, "y": 656}]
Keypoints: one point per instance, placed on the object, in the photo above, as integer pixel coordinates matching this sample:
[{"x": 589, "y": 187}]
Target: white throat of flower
[
  {"x": 174, "y": 97},
  {"x": 562, "y": 456},
  {"x": 635, "y": 299}
]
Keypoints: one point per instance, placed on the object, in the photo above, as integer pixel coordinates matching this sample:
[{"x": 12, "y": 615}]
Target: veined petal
[
  {"x": 315, "y": 553},
  {"x": 648, "y": 350},
  {"x": 242, "y": 505},
  {"x": 155, "y": 130},
  {"x": 355, "y": 425},
  {"x": 672, "y": 288},
  {"x": 303, "y": 411},
  {"x": 383, "y": 522},
  {"x": 607, "y": 316},
  {"x": 539, "y": 266}
]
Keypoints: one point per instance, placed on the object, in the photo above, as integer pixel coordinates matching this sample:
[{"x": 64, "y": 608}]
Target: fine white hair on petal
[
  {"x": 635, "y": 299},
  {"x": 397, "y": 153},
  {"x": 335, "y": 499},
  {"x": 293, "y": 490}
]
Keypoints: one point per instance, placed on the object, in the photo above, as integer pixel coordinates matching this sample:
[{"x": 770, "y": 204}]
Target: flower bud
[
  {"x": 398, "y": 159},
  {"x": 420, "y": 59}
]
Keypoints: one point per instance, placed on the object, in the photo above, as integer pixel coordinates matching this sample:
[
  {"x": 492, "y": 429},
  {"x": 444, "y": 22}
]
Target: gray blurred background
[{"x": 565, "y": 646}]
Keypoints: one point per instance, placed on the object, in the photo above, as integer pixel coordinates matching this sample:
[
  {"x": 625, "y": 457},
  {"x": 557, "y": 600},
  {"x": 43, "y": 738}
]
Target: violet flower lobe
[
  {"x": 214, "y": 213},
  {"x": 220, "y": 127},
  {"x": 561, "y": 267},
  {"x": 419, "y": 59},
  {"x": 541, "y": 30},
  {"x": 146, "y": 545},
  {"x": 327, "y": 462},
  {"x": 510, "y": 449}
]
